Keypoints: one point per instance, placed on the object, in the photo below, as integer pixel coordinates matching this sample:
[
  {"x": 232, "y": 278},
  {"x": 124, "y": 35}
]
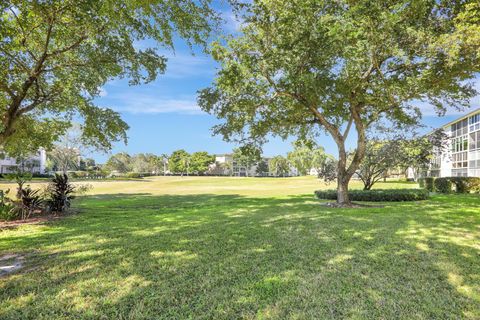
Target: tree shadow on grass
[{"x": 229, "y": 256}]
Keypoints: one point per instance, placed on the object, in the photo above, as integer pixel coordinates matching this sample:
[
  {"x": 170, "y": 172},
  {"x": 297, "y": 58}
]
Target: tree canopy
[
  {"x": 56, "y": 55},
  {"x": 246, "y": 157},
  {"x": 304, "y": 67},
  {"x": 179, "y": 162},
  {"x": 279, "y": 166}
]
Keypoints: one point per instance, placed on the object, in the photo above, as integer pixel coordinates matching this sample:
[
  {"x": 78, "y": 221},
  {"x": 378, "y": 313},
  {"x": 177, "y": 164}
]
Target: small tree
[
  {"x": 200, "y": 162},
  {"x": 246, "y": 157},
  {"x": 178, "y": 162},
  {"x": 262, "y": 168},
  {"x": 120, "y": 162},
  {"x": 279, "y": 166},
  {"x": 380, "y": 156},
  {"x": 417, "y": 153},
  {"x": 301, "y": 157}
]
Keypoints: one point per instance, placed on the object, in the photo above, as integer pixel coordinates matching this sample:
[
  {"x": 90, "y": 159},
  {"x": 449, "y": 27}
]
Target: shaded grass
[{"x": 213, "y": 256}]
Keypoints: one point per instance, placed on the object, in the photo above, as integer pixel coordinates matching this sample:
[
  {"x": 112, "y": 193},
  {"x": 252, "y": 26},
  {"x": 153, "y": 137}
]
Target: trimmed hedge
[
  {"x": 444, "y": 185},
  {"x": 377, "y": 195},
  {"x": 427, "y": 183},
  {"x": 466, "y": 184}
]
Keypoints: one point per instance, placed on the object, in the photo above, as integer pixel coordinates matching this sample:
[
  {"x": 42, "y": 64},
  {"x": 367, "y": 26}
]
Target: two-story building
[
  {"x": 461, "y": 155},
  {"x": 35, "y": 163}
]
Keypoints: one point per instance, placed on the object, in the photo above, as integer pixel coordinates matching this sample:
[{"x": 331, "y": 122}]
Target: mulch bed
[
  {"x": 36, "y": 219},
  {"x": 31, "y": 220}
]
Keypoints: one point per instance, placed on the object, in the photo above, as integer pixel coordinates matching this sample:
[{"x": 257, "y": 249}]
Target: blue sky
[{"x": 163, "y": 115}]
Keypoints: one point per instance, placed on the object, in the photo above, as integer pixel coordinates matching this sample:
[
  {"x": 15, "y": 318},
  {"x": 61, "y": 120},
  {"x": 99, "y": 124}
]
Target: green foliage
[
  {"x": 60, "y": 193},
  {"x": 262, "y": 168},
  {"x": 380, "y": 156},
  {"x": 56, "y": 55},
  {"x": 442, "y": 185},
  {"x": 20, "y": 178},
  {"x": 63, "y": 159},
  {"x": 326, "y": 165},
  {"x": 120, "y": 162},
  {"x": 421, "y": 182},
  {"x": 134, "y": 175},
  {"x": 8, "y": 211},
  {"x": 178, "y": 162},
  {"x": 246, "y": 156},
  {"x": 279, "y": 166},
  {"x": 428, "y": 183},
  {"x": 466, "y": 184},
  {"x": 418, "y": 153},
  {"x": 30, "y": 200},
  {"x": 300, "y": 68},
  {"x": 463, "y": 43},
  {"x": 301, "y": 157},
  {"x": 200, "y": 162},
  {"x": 380, "y": 195}
]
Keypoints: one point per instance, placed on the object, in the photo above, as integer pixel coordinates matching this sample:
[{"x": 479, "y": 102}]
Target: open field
[
  {"x": 228, "y": 248},
  {"x": 214, "y": 185}
]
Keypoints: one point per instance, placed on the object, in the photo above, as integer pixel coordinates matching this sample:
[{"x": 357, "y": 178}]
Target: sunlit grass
[{"x": 228, "y": 248}]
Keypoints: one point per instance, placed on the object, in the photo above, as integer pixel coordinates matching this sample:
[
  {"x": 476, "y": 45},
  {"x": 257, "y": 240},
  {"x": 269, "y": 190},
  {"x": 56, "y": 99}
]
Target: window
[
  {"x": 460, "y": 144},
  {"x": 474, "y": 122},
  {"x": 460, "y": 128}
]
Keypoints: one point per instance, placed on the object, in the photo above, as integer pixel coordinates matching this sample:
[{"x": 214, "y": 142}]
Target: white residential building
[
  {"x": 34, "y": 164},
  {"x": 461, "y": 156}
]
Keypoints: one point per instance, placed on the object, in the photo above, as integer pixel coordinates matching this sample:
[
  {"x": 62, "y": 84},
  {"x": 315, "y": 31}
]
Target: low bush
[
  {"x": 466, "y": 184},
  {"x": 377, "y": 195},
  {"x": 421, "y": 182},
  {"x": 443, "y": 185},
  {"x": 427, "y": 183},
  {"x": 134, "y": 175}
]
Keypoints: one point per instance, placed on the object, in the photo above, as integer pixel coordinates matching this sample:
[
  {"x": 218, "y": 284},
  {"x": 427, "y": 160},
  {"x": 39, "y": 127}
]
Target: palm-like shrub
[
  {"x": 60, "y": 193},
  {"x": 30, "y": 200}
]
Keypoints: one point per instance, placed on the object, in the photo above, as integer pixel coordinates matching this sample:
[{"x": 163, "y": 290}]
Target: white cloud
[
  {"x": 186, "y": 65},
  {"x": 232, "y": 23},
  {"x": 102, "y": 92},
  {"x": 142, "y": 103}
]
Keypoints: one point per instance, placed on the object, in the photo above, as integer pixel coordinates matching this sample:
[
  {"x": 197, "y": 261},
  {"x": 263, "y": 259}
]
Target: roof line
[{"x": 461, "y": 118}]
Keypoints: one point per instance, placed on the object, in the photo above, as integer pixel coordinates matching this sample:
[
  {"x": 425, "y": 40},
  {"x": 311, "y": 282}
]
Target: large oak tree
[
  {"x": 302, "y": 67},
  {"x": 56, "y": 54}
]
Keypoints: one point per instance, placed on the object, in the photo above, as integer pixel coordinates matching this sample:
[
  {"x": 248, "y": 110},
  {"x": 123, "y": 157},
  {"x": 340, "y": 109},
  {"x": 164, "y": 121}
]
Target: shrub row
[
  {"x": 449, "y": 184},
  {"x": 377, "y": 195}
]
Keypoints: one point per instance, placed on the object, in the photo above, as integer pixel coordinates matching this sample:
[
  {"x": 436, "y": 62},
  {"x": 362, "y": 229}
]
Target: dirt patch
[
  {"x": 10, "y": 263},
  {"x": 352, "y": 205},
  {"x": 33, "y": 220},
  {"x": 36, "y": 219}
]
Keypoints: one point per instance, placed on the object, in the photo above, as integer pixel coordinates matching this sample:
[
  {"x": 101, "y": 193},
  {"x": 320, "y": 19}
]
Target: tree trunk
[
  {"x": 342, "y": 190},
  {"x": 343, "y": 178}
]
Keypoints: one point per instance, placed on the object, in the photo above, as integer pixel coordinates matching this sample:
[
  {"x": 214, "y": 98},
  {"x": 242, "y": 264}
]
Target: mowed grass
[{"x": 230, "y": 248}]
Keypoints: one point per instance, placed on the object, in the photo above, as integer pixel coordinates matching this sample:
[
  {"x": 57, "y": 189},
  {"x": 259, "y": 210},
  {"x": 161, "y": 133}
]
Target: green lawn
[{"x": 228, "y": 248}]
